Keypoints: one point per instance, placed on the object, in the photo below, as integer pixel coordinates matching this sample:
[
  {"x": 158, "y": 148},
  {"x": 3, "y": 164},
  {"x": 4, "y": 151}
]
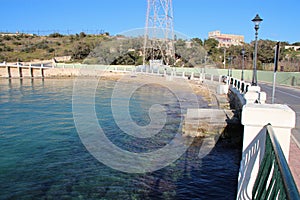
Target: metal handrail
[{"x": 274, "y": 179}]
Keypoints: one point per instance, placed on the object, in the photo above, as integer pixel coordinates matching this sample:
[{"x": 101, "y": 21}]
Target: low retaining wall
[{"x": 282, "y": 78}]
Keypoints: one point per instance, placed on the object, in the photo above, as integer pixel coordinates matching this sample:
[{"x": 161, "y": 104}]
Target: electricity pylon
[{"x": 159, "y": 32}]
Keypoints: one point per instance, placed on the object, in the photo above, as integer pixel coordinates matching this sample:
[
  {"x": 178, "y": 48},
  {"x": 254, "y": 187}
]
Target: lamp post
[
  {"x": 229, "y": 65},
  {"x": 243, "y": 63},
  {"x": 256, "y": 22},
  {"x": 224, "y": 58}
]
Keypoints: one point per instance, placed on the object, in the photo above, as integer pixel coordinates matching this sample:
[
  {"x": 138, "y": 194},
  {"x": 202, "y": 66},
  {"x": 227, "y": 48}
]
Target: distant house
[
  {"x": 226, "y": 40},
  {"x": 295, "y": 48},
  {"x": 15, "y": 34}
]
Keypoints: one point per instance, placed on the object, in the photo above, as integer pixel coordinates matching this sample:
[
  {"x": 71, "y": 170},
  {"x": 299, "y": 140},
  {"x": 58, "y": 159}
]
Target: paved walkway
[{"x": 294, "y": 162}]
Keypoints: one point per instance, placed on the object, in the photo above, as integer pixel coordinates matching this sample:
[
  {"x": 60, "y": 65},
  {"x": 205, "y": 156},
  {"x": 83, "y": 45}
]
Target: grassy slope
[{"x": 26, "y": 48}]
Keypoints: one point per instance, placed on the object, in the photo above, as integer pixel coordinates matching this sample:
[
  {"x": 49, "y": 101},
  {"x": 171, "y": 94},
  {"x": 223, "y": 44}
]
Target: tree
[
  {"x": 266, "y": 50},
  {"x": 211, "y": 46},
  {"x": 129, "y": 58},
  {"x": 82, "y": 34},
  {"x": 296, "y": 44},
  {"x": 80, "y": 51},
  {"x": 7, "y": 37},
  {"x": 197, "y": 41},
  {"x": 55, "y": 35},
  {"x": 51, "y": 50}
]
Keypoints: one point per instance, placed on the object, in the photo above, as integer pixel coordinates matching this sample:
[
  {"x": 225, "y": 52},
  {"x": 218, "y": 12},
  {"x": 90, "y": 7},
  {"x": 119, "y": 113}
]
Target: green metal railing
[{"x": 274, "y": 179}]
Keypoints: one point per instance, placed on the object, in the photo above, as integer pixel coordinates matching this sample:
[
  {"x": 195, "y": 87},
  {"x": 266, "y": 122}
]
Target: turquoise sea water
[{"x": 42, "y": 156}]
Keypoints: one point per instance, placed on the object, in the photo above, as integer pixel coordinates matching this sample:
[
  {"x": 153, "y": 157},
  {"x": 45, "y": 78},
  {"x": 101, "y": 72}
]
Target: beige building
[{"x": 226, "y": 40}]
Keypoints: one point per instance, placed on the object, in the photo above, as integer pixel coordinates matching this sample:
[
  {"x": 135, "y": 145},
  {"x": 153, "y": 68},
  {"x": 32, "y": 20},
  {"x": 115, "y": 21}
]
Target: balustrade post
[
  {"x": 8, "y": 72},
  {"x": 20, "y": 71},
  {"x": 42, "y": 72},
  {"x": 31, "y": 71},
  {"x": 254, "y": 118}
]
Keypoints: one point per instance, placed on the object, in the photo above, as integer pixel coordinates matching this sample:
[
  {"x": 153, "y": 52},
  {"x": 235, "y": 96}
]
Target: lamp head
[{"x": 257, "y": 20}]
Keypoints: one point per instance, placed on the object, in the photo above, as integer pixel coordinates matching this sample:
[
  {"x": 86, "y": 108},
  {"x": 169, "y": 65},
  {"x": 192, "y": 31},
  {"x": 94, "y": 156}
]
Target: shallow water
[{"x": 42, "y": 156}]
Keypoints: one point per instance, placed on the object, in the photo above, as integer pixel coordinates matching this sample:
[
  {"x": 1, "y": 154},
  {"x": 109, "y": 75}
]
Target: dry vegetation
[{"x": 25, "y": 48}]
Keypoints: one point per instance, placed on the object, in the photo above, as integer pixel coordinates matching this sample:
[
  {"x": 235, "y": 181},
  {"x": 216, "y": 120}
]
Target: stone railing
[
  {"x": 254, "y": 118},
  {"x": 255, "y": 114},
  {"x": 274, "y": 179}
]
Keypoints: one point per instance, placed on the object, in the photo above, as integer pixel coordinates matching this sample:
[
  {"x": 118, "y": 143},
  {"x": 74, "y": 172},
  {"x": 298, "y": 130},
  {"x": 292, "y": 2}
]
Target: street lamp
[
  {"x": 224, "y": 57},
  {"x": 256, "y": 22},
  {"x": 243, "y": 63},
  {"x": 229, "y": 65}
]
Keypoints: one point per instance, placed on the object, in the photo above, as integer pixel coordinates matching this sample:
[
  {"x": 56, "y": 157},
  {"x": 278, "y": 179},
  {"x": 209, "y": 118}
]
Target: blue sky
[{"x": 195, "y": 18}]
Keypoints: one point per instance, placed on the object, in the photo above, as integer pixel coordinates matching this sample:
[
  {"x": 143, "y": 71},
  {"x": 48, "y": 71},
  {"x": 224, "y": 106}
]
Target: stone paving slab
[{"x": 294, "y": 162}]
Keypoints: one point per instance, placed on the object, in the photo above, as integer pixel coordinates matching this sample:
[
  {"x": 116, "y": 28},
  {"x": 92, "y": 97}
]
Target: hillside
[
  {"x": 28, "y": 47},
  {"x": 122, "y": 50}
]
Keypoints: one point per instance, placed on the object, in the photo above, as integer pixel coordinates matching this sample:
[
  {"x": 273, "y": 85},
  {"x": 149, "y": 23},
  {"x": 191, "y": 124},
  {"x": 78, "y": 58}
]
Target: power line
[{"x": 50, "y": 31}]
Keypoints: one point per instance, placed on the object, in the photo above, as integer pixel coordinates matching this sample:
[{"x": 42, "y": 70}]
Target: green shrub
[
  {"x": 28, "y": 49},
  {"x": 7, "y": 48},
  {"x": 51, "y": 50},
  {"x": 17, "y": 43},
  {"x": 7, "y": 37},
  {"x": 55, "y": 35},
  {"x": 41, "y": 45}
]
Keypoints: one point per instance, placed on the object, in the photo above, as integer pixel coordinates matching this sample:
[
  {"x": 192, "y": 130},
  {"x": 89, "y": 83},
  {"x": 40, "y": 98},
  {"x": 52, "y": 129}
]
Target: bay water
[{"x": 42, "y": 156}]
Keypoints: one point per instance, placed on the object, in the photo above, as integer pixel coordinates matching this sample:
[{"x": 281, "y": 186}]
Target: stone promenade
[{"x": 294, "y": 162}]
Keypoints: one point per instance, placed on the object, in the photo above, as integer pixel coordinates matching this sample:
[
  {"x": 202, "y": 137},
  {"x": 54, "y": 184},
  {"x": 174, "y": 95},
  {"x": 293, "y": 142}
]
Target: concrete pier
[
  {"x": 8, "y": 72},
  {"x": 20, "y": 72},
  {"x": 205, "y": 121}
]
